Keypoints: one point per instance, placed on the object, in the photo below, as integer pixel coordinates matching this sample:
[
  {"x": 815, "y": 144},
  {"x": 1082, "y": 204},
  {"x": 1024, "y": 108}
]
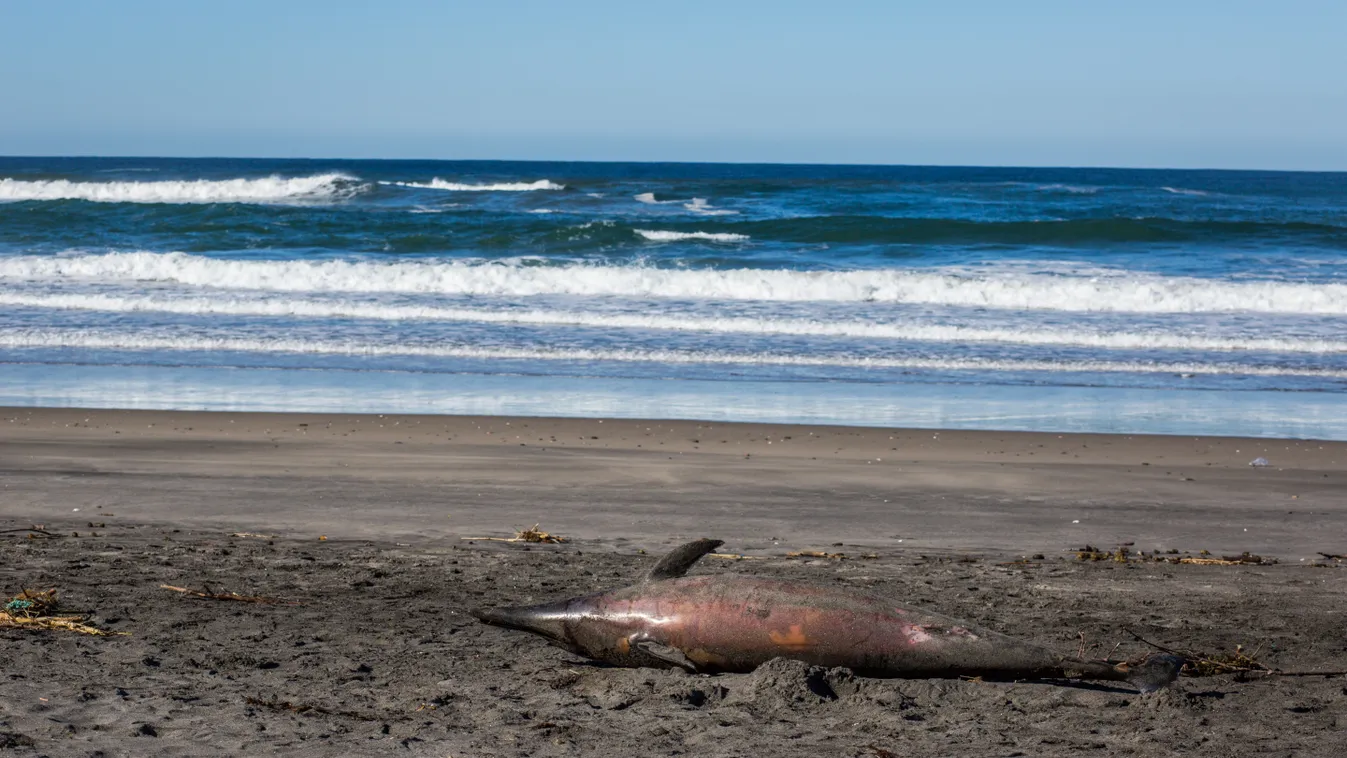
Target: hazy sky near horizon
[{"x": 1182, "y": 83}]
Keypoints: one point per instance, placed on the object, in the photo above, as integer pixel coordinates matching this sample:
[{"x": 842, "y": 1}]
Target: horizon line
[{"x": 803, "y": 164}]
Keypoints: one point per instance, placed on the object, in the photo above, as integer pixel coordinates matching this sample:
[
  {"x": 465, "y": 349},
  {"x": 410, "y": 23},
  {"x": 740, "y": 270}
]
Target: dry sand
[{"x": 380, "y": 657}]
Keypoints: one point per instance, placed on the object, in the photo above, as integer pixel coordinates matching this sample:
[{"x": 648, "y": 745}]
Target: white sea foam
[
  {"x": 699, "y": 206},
  {"x": 910, "y": 331},
  {"x": 440, "y": 184},
  {"x": 82, "y": 338},
  {"x": 1072, "y": 188},
  {"x": 663, "y": 236},
  {"x": 271, "y": 189},
  {"x": 981, "y": 289}
]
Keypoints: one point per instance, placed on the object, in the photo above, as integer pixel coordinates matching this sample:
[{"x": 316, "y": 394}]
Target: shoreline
[
  {"x": 1056, "y": 409},
  {"x": 652, "y": 483}
]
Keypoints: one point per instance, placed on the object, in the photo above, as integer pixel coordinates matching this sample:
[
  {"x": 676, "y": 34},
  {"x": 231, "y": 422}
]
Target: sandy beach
[{"x": 363, "y": 518}]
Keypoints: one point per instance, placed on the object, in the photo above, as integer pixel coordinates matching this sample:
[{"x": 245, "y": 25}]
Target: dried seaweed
[
  {"x": 533, "y": 534},
  {"x": 32, "y": 609},
  {"x": 1244, "y": 559}
]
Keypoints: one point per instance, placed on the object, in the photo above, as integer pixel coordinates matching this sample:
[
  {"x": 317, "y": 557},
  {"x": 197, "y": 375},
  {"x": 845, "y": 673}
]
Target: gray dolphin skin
[{"x": 732, "y": 623}]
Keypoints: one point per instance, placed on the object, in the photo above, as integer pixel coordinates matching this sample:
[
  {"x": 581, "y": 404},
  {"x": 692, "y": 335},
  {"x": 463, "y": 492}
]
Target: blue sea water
[{"x": 1052, "y": 299}]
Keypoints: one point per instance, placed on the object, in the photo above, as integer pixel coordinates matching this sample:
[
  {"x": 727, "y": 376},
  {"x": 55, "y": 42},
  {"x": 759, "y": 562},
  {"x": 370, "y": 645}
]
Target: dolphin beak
[{"x": 547, "y": 620}]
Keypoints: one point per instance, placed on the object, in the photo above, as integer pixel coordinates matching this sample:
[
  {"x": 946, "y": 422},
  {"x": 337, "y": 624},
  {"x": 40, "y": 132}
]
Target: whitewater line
[
  {"x": 655, "y": 235},
  {"x": 716, "y": 325},
  {"x": 80, "y": 338},
  {"x": 440, "y": 184},
  {"x": 948, "y": 287},
  {"x": 271, "y": 189}
]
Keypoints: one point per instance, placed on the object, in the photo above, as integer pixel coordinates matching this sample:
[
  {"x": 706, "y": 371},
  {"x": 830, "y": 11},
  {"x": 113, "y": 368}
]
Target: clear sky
[{"x": 1180, "y": 83}]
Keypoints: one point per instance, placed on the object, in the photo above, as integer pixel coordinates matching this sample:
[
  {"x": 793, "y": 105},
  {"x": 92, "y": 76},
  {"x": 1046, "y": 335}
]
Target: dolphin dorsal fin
[{"x": 677, "y": 562}]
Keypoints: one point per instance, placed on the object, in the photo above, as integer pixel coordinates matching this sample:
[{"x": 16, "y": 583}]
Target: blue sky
[{"x": 1183, "y": 83}]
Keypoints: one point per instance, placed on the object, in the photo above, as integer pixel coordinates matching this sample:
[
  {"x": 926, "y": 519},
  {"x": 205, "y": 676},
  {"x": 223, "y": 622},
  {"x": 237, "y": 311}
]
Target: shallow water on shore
[{"x": 932, "y": 406}]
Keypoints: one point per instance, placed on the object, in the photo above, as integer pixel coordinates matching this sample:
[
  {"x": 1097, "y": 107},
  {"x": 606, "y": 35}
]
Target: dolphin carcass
[{"x": 734, "y": 623}]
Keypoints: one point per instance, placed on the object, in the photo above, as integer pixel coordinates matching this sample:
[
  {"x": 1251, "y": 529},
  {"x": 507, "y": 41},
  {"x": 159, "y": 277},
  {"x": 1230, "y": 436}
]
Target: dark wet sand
[{"x": 380, "y": 657}]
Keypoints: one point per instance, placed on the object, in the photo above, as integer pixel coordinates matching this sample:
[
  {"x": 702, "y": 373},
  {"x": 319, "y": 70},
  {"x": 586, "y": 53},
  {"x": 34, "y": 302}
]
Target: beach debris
[
  {"x": 208, "y": 595},
  {"x": 32, "y": 603},
  {"x": 827, "y": 555},
  {"x": 1334, "y": 556},
  {"x": 36, "y": 609},
  {"x": 1124, "y": 554},
  {"x": 1259, "y": 462},
  {"x": 253, "y": 535},
  {"x": 533, "y": 534},
  {"x": 1240, "y": 662},
  {"x": 737, "y": 557},
  {"x": 35, "y": 531},
  {"x": 1243, "y": 559}
]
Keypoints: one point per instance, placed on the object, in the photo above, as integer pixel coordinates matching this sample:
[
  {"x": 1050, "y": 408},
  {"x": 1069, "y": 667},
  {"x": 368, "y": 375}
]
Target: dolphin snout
[{"x": 543, "y": 620}]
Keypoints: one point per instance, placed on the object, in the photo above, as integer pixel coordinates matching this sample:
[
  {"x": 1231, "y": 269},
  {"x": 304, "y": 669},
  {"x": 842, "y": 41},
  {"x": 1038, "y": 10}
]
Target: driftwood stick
[
  {"x": 1159, "y": 647},
  {"x": 227, "y": 596}
]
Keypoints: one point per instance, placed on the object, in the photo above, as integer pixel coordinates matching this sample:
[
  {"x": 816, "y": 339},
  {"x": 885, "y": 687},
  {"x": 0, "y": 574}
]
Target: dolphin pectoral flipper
[
  {"x": 677, "y": 562},
  {"x": 667, "y": 654}
]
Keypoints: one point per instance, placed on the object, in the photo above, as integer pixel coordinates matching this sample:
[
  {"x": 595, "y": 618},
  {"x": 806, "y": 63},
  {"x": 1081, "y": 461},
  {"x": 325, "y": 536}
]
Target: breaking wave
[
  {"x": 80, "y": 338},
  {"x": 698, "y": 205},
  {"x": 935, "y": 286},
  {"x": 271, "y": 189},
  {"x": 918, "y": 332}
]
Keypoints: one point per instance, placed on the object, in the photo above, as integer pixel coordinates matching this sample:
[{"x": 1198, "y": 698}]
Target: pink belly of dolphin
[{"x": 725, "y": 624}]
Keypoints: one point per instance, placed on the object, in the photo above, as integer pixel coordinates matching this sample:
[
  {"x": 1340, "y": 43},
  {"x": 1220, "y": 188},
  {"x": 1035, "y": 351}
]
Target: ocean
[{"x": 1176, "y": 302}]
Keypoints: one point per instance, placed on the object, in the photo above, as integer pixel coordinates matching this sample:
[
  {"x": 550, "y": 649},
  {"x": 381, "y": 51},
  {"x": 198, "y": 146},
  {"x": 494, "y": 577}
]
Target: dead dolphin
[{"x": 730, "y": 623}]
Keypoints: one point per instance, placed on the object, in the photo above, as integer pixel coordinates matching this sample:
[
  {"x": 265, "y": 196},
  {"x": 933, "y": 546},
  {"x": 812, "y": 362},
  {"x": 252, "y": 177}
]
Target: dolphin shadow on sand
[{"x": 732, "y": 623}]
